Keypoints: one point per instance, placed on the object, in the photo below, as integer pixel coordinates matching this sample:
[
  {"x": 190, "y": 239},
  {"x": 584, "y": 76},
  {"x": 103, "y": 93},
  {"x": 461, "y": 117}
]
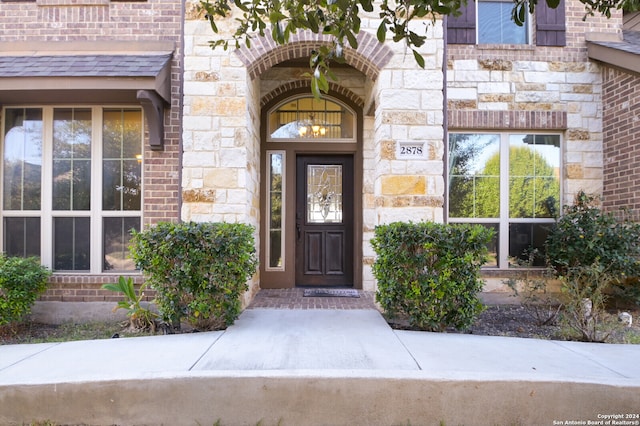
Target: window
[
  {"x": 508, "y": 182},
  {"x": 276, "y": 202},
  {"x": 306, "y": 119},
  {"x": 489, "y": 22},
  {"x": 495, "y": 25},
  {"x": 72, "y": 185}
]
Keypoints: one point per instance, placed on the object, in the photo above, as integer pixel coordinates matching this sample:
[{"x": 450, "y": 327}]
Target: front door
[{"x": 324, "y": 220}]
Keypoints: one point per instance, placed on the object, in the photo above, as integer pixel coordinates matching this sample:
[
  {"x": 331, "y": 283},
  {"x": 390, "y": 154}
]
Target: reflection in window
[
  {"x": 534, "y": 176},
  {"x": 307, "y": 118},
  {"x": 495, "y": 25},
  {"x": 275, "y": 211},
  {"x": 76, "y": 154},
  {"x": 117, "y": 238},
  {"x": 71, "y": 159},
  {"x": 518, "y": 171},
  {"x": 122, "y": 160},
  {"x": 474, "y": 176},
  {"x": 22, "y": 162}
]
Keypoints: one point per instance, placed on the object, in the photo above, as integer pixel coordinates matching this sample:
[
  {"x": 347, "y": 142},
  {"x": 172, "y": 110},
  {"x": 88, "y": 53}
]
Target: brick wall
[
  {"x": 42, "y": 21},
  {"x": 621, "y": 105}
]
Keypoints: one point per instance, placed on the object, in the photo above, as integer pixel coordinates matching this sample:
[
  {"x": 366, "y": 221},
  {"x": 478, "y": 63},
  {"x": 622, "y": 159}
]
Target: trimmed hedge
[
  {"x": 430, "y": 272},
  {"x": 199, "y": 270}
]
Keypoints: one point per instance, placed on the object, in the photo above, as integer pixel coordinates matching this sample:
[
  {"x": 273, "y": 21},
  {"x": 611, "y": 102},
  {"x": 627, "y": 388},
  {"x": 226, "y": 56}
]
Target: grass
[{"x": 45, "y": 333}]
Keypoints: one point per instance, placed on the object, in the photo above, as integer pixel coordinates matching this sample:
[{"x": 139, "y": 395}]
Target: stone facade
[
  {"x": 401, "y": 103},
  {"x": 537, "y": 88},
  {"x": 211, "y": 168}
]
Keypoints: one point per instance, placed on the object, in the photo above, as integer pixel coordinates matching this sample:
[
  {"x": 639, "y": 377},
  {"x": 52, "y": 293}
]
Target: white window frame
[
  {"x": 96, "y": 213},
  {"x": 527, "y": 25},
  {"x": 503, "y": 221}
]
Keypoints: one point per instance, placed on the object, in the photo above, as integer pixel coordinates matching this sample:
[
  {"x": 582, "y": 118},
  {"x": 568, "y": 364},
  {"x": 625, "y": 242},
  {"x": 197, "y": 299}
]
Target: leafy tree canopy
[{"x": 340, "y": 19}]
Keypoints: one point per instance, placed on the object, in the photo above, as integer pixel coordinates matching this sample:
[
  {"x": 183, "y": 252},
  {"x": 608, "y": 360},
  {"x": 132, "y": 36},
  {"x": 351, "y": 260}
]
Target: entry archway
[{"x": 311, "y": 213}]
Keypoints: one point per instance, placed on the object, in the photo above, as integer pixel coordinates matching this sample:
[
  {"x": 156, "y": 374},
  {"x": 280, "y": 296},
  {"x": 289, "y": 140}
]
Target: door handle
[{"x": 298, "y": 229}]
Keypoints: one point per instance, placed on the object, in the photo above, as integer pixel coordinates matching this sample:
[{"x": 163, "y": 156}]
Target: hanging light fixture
[{"x": 310, "y": 129}]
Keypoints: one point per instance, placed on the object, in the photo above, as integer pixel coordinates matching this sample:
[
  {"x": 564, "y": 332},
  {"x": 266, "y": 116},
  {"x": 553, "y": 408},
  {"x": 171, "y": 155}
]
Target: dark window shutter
[
  {"x": 550, "y": 25},
  {"x": 462, "y": 29}
]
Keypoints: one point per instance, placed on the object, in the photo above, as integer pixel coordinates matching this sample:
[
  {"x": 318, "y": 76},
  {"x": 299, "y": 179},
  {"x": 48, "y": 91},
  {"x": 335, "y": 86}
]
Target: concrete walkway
[{"x": 319, "y": 367}]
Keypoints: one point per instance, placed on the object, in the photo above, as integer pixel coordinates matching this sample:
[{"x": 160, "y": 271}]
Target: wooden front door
[{"x": 324, "y": 220}]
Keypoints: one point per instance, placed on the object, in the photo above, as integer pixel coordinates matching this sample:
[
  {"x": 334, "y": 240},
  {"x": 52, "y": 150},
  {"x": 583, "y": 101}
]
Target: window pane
[
  {"x": 309, "y": 118},
  {"x": 324, "y": 193},
  {"x": 22, "y": 236},
  {"x": 22, "y": 162},
  {"x": 474, "y": 175},
  {"x": 71, "y": 245},
  {"x": 495, "y": 25},
  {"x": 525, "y": 237},
  {"x": 71, "y": 159},
  {"x": 117, "y": 236},
  {"x": 122, "y": 158},
  {"x": 534, "y": 168},
  {"x": 275, "y": 212}
]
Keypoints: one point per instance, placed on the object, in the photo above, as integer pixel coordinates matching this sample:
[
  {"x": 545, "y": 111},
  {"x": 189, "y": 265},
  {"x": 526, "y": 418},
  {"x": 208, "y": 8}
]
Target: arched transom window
[{"x": 306, "y": 118}]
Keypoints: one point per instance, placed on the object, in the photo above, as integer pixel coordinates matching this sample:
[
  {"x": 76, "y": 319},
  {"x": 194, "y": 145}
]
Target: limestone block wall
[
  {"x": 537, "y": 88},
  {"x": 221, "y": 155},
  {"x": 557, "y": 95},
  {"x": 409, "y": 113},
  {"x": 221, "y": 140}
]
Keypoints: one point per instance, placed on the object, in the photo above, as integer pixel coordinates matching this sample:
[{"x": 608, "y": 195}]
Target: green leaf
[
  {"x": 382, "y": 32},
  {"x": 419, "y": 58}
]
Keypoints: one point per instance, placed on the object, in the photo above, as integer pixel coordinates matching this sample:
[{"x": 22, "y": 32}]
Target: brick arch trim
[
  {"x": 370, "y": 57},
  {"x": 306, "y": 84}
]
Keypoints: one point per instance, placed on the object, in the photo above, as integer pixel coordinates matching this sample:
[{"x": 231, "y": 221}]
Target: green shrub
[
  {"x": 430, "y": 272},
  {"x": 585, "y": 236},
  {"x": 199, "y": 270},
  {"x": 22, "y": 280}
]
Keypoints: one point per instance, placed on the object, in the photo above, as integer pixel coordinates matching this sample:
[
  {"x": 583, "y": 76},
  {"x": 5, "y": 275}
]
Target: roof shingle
[{"x": 83, "y": 66}]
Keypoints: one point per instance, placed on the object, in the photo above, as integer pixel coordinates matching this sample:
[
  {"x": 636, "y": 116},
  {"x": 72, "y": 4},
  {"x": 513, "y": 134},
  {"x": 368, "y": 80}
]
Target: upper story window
[
  {"x": 72, "y": 185},
  {"x": 495, "y": 25},
  {"x": 509, "y": 182},
  {"x": 306, "y": 119},
  {"x": 489, "y": 22}
]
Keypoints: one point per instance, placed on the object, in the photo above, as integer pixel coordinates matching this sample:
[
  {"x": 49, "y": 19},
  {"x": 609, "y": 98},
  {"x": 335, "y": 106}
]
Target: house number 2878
[{"x": 410, "y": 150}]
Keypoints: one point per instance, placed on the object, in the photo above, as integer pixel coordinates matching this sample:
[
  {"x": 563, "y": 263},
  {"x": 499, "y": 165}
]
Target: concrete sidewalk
[{"x": 318, "y": 367}]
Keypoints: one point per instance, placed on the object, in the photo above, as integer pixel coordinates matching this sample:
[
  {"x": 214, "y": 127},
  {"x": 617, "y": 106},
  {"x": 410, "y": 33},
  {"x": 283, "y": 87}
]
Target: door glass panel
[{"x": 324, "y": 193}]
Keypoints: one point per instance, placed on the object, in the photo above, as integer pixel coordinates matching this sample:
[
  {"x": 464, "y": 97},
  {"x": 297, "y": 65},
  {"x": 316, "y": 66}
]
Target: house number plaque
[{"x": 408, "y": 150}]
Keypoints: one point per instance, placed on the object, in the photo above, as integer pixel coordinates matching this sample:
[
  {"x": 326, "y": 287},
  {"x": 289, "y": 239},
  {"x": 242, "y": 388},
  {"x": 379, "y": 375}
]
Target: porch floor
[{"x": 293, "y": 298}]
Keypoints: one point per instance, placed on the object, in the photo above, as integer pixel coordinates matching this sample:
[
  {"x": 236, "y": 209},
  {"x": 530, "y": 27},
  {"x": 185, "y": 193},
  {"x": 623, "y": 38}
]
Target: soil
[
  {"x": 496, "y": 320},
  {"x": 518, "y": 321}
]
